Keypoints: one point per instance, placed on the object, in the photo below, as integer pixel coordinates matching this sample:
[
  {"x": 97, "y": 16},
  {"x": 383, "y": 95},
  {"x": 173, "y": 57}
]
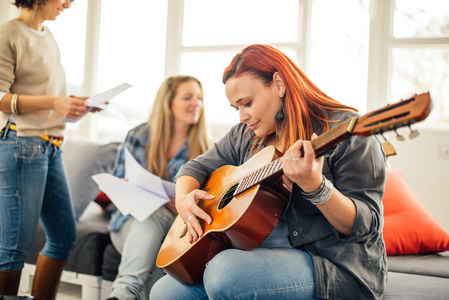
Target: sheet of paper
[
  {"x": 140, "y": 177},
  {"x": 104, "y": 97},
  {"x": 140, "y": 194},
  {"x": 99, "y": 100},
  {"x": 128, "y": 198}
]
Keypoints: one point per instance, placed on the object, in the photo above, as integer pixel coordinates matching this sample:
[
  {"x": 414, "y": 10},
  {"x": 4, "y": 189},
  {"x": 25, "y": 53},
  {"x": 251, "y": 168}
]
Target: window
[
  {"x": 363, "y": 53},
  {"x": 420, "y": 53},
  {"x": 338, "y": 53},
  {"x": 69, "y": 31},
  {"x": 132, "y": 50},
  {"x": 214, "y": 31},
  {"x": 339, "y": 50}
]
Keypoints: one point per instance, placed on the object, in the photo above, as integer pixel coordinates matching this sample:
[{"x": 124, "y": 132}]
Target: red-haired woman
[{"x": 328, "y": 242}]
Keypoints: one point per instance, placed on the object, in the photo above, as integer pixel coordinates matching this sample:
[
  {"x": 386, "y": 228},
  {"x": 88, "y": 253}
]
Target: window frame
[{"x": 381, "y": 46}]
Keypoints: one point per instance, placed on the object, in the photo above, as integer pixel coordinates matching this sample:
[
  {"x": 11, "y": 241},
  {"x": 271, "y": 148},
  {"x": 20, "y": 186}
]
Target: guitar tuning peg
[
  {"x": 399, "y": 137},
  {"x": 388, "y": 147},
  {"x": 413, "y": 133}
]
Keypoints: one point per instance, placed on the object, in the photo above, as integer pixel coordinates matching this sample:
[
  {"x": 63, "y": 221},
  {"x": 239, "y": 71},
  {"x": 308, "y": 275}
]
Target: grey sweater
[{"x": 346, "y": 267}]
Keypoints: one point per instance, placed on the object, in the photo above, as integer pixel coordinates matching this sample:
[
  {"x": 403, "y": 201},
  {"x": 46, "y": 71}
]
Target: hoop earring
[{"x": 280, "y": 116}]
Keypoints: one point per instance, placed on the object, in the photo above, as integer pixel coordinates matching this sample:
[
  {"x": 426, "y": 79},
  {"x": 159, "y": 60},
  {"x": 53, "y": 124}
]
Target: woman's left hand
[{"x": 301, "y": 167}]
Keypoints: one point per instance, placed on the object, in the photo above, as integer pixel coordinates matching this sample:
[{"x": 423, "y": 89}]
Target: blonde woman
[{"x": 174, "y": 134}]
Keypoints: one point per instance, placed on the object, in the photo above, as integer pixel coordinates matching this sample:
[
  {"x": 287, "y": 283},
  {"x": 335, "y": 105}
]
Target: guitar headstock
[{"x": 393, "y": 116}]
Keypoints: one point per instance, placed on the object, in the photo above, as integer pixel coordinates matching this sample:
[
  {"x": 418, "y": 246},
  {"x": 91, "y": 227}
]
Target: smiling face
[
  {"x": 256, "y": 103},
  {"x": 187, "y": 104}
]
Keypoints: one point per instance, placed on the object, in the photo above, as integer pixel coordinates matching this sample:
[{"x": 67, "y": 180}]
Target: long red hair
[{"x": 306, "y": 106}]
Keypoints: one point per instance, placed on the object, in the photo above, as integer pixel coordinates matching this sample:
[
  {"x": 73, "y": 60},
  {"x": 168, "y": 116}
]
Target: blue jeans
[
  {"x": 33, "y": 184},
  {"x": 262, "y": 273}
]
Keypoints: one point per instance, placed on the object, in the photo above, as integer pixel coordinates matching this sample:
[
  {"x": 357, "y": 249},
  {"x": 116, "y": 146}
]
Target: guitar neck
[{"x": 322, "y": 144}]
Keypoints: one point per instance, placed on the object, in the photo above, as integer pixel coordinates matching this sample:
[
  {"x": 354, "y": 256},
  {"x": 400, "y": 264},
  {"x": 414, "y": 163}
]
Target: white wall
[
  {"x": 425, "y": 168},
  {"x": 7, "y": 11}
]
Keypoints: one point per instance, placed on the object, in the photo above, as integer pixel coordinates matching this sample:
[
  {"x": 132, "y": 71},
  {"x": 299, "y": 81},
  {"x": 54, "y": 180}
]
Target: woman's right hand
[
  {"x": 190, "y": 212},
  {"x": 71, "y": 107}
]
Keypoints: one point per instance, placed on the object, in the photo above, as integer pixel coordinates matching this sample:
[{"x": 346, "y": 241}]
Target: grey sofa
[{"x": 94, "y": 258}]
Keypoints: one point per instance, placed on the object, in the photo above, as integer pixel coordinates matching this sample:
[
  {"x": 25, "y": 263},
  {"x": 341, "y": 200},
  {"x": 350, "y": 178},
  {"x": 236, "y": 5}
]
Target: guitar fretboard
[
  {"x": 259, "y": 175},
  {"x": 321, "y": 144}
]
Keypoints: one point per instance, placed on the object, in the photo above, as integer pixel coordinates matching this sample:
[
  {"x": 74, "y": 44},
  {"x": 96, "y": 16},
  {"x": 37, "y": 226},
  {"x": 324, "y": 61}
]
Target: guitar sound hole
[{"x": 227, "y": 196}]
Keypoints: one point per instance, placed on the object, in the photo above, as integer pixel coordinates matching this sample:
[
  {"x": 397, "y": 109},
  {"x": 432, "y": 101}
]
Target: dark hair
[{"x": 30, "y": 3}]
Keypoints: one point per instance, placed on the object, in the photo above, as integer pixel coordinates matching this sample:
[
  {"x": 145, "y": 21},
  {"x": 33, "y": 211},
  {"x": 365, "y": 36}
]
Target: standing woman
[
  {"x": 328, "y": 243},
  {"x": 33, "y": 182},
  {"x": 174, "y": 133}
]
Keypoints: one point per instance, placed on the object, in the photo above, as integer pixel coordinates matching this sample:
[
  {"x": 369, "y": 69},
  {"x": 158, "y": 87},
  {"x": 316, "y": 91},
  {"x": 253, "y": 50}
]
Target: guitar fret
[
  {"x": 249, "y": 181},
  {"x": 278, "y": 165},
  {"x": 258, "y": 176},
  {"x": 267, "y": 170},
  {"x": 261, "y": 173},
  {"x": 255, "y": 178},
  {"x": 245, "y": 183}
]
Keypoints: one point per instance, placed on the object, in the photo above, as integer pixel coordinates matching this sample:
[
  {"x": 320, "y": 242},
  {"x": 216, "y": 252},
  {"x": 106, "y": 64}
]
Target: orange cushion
[{"x": 409, "y": 227}]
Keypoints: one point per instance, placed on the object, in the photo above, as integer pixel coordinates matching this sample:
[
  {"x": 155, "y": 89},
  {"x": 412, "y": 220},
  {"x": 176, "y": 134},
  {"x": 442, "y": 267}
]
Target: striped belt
[{"x": 55, "y": 140}]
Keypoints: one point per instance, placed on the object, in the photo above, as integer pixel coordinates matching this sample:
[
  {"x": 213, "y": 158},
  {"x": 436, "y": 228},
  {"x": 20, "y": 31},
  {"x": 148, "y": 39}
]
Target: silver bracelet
[{"x": 322, "y": 194}]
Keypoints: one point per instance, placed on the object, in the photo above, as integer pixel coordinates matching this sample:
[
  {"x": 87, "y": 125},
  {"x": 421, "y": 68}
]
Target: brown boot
[
  {"x": 46, "y": 277},
  {"x": 9, "y": 282}
]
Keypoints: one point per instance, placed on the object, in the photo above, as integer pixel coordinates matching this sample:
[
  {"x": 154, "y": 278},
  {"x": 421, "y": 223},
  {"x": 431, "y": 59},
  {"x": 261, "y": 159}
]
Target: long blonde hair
[{"x": 161, "y": 126}]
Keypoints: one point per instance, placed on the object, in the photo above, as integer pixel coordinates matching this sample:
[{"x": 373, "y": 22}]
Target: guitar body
[{"x": 241, "y": 222}]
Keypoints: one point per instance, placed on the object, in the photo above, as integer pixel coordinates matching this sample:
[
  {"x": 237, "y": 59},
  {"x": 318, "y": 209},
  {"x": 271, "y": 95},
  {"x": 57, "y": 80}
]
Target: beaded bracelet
[
  {"x": 322, "y": 194},
  {"x": 14, "y": 109}
]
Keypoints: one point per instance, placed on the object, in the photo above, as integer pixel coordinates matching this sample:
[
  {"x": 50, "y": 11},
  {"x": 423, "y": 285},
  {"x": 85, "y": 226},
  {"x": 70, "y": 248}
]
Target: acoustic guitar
[{"x": 250, "y": 199}]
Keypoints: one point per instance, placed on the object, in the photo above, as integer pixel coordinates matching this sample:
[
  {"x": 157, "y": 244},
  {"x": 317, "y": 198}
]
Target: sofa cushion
[
  {"x": 434, "y": 264},
  {"x": 416, "y": 287},
  {"x": 409, "y": 227},
  {"x": 83, "y": 159},
  {"x": 111, "y": 262}
]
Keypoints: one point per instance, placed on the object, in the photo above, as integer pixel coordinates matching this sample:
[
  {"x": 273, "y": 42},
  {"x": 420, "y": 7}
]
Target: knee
[
  {"x": 221, "y": 274},
  {"x": 72, "y": 237},
  {"x": 68, "y": 239},
  {"x": 159, "y": 289},
  {"x": 59, "y": 246}
]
